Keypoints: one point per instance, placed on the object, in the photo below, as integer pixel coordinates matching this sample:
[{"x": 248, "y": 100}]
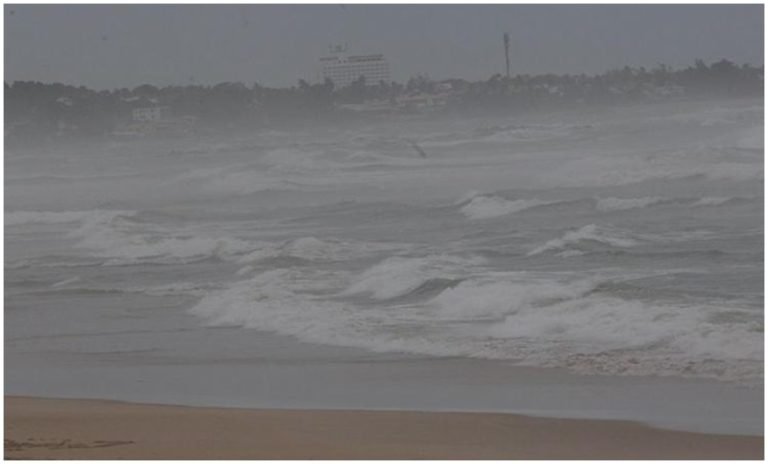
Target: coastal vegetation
[{"x": 37, "y": 109}]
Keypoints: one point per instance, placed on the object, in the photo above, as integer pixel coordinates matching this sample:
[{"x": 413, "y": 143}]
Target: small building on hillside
[
  {"x": 155, "y": 120},
  {"x": 152, "y": 114}
]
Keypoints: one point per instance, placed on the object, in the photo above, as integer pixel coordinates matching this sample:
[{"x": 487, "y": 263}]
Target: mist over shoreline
[
  {"x": 36, "y": 110},
  {"x": 532, "y": 227}
]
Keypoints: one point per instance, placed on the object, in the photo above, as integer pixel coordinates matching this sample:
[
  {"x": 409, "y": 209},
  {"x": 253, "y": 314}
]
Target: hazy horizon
[
  {"x": 113, "y": 46},
  {"x": 565, "y": 265}
]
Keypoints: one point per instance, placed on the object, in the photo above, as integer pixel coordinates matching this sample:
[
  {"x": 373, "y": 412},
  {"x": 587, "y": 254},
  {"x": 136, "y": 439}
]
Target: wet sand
[{"x": 39, "y": 428}]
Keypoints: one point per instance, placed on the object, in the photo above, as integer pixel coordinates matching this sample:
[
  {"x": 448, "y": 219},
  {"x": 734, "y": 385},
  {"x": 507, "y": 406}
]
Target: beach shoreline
[
  {"x": 46, "y": 428},
  {"x": 290, "y": 374}
]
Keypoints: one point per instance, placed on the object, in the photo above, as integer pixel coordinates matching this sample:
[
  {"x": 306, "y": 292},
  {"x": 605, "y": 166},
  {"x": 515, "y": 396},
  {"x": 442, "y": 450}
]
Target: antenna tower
[{"x": 506, "y": 51}]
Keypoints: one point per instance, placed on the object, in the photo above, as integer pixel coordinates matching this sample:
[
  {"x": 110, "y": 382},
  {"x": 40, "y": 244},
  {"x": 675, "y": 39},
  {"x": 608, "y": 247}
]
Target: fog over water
[
  {"x": 432, "y": 244},
  {"x": 623, "y": 241}
]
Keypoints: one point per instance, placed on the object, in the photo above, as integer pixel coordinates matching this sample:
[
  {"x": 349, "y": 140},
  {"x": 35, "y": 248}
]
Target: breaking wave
[
  {"x": 577, "y": 241},
  {"x": 715, "y": 201},
  {"x": 18, "y": 218},
  {"x": 475, "y": 205},
  {"x": 314, "y": 249},
  {"x": 130, "y": 237},
  {"x": 621, "y": 204},
  {"x": 126, "y": 242},
  {"x": 529, "y": 319},
  {"x": 485, "y": 207},
  {"x": 76, "y": 285},
  {"x": 490, "y": 298},
  {"x": 397, "y": 276}
]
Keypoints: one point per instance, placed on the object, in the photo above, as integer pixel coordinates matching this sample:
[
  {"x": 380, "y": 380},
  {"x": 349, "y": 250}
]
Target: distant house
[
  {"x": 66, "y": 101},
  {"x": 422, "y": 101},
  {"x": 155, "y": 120},
  {"x": 152, "y": 114}
]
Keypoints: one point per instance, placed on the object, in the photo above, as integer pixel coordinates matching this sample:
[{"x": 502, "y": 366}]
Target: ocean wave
[
  {"x": 717, "y": 201},
  {"x": 273, "y": 301},
  {"x": 235, "y": 180},
  {"x": 733, "y": 171},
  {"x": 486, "y": 207},
  {"x": 611, "y": 204},
  {"x": 602, "y": 333},
  {"x": 279, "y": 301},
  {"x": 398, "y": 276},
  {"x": 65, "y": 282},
  {"x": 524, "y": 318},
  {"x": 621, "y": 204},
  {"x": 127, "y": 242},
  {"x": 476, "y": 205},
  {"x": 479, "y": 299},
  {"x": 308, "y": 248},
  {"x": 521, "y": 133},
  {"x": 131, "y": 237},
  {"x": 17, "y": 218},
  {"x": 574, "y": 242},
  {"x": 314, "y": 249},
  {"x": 53, "y": 261},
  {"x": 598, "y": 171},
  {"x": 175, "y": 289},
  {"x": 292, "y": 161}
]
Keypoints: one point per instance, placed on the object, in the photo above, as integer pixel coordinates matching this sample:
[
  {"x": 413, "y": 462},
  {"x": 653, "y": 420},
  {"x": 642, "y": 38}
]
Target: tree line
[{"x": 33, "y": 109}]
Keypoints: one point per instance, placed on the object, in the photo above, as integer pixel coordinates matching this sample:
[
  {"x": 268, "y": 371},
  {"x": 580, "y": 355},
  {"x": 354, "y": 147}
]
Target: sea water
[{"x": 624, "y": 241}]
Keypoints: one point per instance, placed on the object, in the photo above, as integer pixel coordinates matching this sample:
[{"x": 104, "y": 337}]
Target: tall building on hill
[{"x": 344, "y": 69}]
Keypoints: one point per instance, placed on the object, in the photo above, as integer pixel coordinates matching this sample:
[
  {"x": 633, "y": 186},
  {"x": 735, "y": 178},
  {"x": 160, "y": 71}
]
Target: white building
[
  {"x": 152, "y": 113},
  {"x": 343, "y": 69}
]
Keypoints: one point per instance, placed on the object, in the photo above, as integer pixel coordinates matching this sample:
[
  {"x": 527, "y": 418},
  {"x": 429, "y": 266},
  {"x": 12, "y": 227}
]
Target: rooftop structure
[{"x": 344, "y": 69}]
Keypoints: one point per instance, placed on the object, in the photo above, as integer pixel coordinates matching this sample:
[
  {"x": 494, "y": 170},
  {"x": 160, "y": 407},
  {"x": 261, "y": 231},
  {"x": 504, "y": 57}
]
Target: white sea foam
[
  {"x": 515, "y": 316},
  {"x": 310, "y": 266},
  {"x": 281, "y": 301},
  {"x": 712, "y": 201},
  {"x": 244, "y": 270},
  {"x": 485, "y": 207},
  {"x": 473, "y": 299},
  {"x": 586, "y": 234},
  {"x": 272, "y": 301},
  {"x": 114, "y": 236},
  {"x": 529, "y": 133},
  {"x": 66, "y": 282},
  {"x": 609, "y": 334},
  {"x": 467, "y": 197},
  {"x": 173, "y": 289},
  {"x": 397, "y": 276},
  {"x": 598, "y": 323},
  {"x": 620, "y": 204},
  {"x": 179, "y": 288},
  {"x": 173, "y": 249}
]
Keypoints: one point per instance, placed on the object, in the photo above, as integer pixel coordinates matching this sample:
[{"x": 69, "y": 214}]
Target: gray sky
[{"x": 107, "y": 46}]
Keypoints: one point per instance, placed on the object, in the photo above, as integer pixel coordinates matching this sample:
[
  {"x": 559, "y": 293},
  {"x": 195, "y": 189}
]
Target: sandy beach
[{"x": 38, "y": 428}]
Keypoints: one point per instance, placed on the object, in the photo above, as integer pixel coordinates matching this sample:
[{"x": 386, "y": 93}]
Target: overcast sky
[{"x": 107, "y": 46}]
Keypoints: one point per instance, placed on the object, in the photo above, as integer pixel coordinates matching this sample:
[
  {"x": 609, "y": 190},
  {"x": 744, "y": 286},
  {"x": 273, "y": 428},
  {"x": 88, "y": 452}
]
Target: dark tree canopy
[{"x": 35, "y": 108}]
